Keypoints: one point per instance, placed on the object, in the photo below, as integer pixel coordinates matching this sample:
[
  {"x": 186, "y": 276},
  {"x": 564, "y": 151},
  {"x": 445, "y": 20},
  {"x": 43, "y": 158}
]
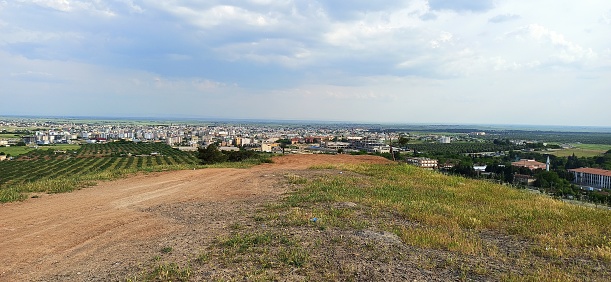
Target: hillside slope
[{"x": 302, "y": 218}]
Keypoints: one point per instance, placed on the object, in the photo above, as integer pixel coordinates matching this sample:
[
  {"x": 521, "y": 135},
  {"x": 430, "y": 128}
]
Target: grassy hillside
[{"x": 398, "y": 222}]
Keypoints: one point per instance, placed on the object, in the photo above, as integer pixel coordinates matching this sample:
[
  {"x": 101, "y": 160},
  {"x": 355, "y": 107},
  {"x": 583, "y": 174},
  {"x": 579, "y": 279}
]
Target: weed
[
  {"x": 11, "y": 195},
  {"x": 323, "y": 166},
  {"x": 203, "y": 257},
  {"x": 169, "y": 272},
  {"x": 296, "y": 256},
  {"x": 236, "y": 226},
  {"x": 295, "y": 179}
]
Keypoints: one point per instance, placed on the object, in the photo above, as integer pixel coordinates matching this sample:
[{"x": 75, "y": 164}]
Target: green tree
[
  {"x": 403, "y": 140},
  {"x": 211, "y": 155}
]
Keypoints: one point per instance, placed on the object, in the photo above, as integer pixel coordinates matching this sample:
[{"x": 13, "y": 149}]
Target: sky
[{"x": 538, "y": 62}]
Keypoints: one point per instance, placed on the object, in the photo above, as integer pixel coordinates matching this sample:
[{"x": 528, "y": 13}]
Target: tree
[
  {"x": 465, "y": 169},
  {"x": 284, "y": 143},
  {"x": 403, "y": 140},
  {"x": 211, "y": 155},
  {"x": 238, "y": 156}
]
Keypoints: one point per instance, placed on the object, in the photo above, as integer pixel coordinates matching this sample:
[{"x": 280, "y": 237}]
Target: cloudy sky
[{"x": 415, "y": 61}]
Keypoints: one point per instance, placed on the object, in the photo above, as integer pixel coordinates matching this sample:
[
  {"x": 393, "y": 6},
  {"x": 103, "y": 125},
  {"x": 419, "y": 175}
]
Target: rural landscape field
[
  {"x": 417, "y": 140},
  {"x": 302, "y": 217},
  {"x": 118, "y": 202}
]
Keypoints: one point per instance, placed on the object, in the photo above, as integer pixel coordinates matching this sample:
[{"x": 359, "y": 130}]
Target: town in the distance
[{"x": 569, "y": 164}]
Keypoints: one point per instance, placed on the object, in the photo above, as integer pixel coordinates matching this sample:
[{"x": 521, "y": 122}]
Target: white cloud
[
  {"x": 444, "y": 38},
  {"x": 132, "y": 6},
  {"x": 61, "y": 5},
  {"x": 504, "y": 18},
  {"x": 462, "y": 5},
  {"x": 568, "y": 51},
  {"x": 222, "y": 15},
  {"x": 96, "y": 7},
  {"x": 32, "y": 73},
  {"x": 278, "y": 51},
  {"x": 606, "y": 19},
  {"x": 368, "y": 56}
]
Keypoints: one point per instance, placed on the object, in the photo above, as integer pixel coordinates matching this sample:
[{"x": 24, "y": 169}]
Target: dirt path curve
[{"x": 92, "y": 233}]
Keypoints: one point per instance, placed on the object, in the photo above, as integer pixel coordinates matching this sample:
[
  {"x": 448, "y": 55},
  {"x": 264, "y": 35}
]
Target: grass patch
[
  {"x": 295, "y": 179},
  {"x": 262, "y": 250},
  {"x": 164, "y": 272},
  {"x": 12, "y": 194},
  {"x": 16, "y": 150},
  {"x": 323, "y": 166},
  {"x": 9, "y": 135},
  {"x": 597, "y": 147},
  {"x": 577, "y": 152},
  {"x": 23, "y": 150},
  {"x": 449, "y": 213},
  {"x": 583, "y": 150},
  {"x": 248, "y": 163}
]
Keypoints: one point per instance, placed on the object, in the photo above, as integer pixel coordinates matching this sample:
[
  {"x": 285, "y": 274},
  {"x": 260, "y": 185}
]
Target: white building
[
  {"x": 595, "y": 177},
  {"x": 423, "y": 162},
  {"x": 445, "y": 140}
]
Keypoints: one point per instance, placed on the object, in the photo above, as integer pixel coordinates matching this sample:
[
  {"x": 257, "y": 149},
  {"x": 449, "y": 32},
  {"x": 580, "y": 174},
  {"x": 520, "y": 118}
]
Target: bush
[{"x": 211, "y": 155}]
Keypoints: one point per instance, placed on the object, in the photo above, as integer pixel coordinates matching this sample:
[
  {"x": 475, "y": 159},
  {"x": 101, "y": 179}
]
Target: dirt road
[{"x": 104, "y": 232}]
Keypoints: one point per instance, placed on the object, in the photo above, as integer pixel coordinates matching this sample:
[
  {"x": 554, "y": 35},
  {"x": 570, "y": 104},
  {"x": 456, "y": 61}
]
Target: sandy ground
[{"x": 104, "y": 232}]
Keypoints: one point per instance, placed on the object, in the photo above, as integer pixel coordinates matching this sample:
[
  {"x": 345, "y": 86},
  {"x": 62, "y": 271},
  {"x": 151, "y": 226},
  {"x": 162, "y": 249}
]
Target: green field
[
  {"x": 16, "y": 150},
  {"x": 583, "y": 150},
  {"x": 595, "y": 147},
  {"x": 13, "y": 129},
  {"x": 9, "y": 135},
  {"x": 22, "y": 150}
]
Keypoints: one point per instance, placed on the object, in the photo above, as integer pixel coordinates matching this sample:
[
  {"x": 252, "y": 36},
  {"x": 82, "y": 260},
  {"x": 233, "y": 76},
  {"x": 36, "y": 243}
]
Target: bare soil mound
[{"x": 106, "y": 232}]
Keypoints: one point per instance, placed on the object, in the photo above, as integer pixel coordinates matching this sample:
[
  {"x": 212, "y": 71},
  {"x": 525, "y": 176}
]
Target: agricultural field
[
  {"x": 9, "y": 135},
  {"x": 582, "y": 150},
  {"x": 46, "y": 170},
  {"x": 594, "y": 147},
  {"x": 16, "y": 150},
  {"x": 459, "y": 148}
]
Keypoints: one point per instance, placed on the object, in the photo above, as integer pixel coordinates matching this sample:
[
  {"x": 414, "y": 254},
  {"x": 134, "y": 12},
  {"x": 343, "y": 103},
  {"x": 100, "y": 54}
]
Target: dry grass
[
  {"x": 434, "y": 211},
  {"x": 401, "y": 223}
]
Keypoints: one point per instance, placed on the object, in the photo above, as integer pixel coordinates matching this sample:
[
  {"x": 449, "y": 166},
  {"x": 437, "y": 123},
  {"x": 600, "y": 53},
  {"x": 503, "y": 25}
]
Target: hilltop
[{"x": 316, "y": 217}]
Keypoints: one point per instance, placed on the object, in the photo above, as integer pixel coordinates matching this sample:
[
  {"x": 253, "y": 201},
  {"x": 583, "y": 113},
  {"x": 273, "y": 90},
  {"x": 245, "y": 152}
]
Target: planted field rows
[
  {"x": 127, "y": 148},
  {"x": 91, "y": 158},
  {"x": 459, "y": 148}
]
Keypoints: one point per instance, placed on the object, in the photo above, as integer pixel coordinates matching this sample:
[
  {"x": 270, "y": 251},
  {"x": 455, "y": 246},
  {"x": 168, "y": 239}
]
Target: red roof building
[{"x": 530, "y": 164}]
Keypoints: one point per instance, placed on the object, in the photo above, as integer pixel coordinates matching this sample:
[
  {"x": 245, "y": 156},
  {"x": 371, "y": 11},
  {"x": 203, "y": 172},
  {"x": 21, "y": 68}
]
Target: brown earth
[{"x": 107, "y": 232}]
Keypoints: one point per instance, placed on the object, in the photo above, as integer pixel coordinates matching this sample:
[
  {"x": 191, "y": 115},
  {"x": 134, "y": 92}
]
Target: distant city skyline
[{"x": 404, "y": 62}]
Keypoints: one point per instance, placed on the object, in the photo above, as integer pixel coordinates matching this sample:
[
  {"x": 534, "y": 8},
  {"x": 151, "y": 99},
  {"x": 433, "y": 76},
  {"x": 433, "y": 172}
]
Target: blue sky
[{"x": 435, "y": 61}]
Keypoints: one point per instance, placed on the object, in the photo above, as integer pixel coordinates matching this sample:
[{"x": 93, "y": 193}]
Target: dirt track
[{"x": 104, "y": 232}]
